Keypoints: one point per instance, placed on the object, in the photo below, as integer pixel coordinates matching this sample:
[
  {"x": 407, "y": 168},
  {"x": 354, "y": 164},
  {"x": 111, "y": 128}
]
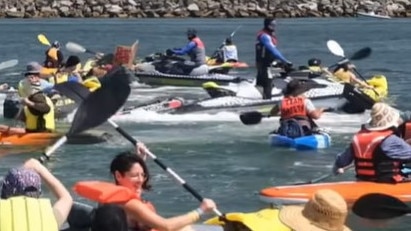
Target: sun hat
[
  {"x": 295, "y": 87},
  {"x": 325, "y": 211},
  {"x": 382, "y": 117},
  {"x": 33, "y": 68},
  {"x": 21, "y": 182}
]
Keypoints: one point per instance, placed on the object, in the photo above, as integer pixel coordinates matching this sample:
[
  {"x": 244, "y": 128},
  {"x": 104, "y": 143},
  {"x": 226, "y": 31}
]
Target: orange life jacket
[
  {"x": 107, "y": 192},
  {"x": 371, "y": 164},
  {"x": 293, "y": 107}
]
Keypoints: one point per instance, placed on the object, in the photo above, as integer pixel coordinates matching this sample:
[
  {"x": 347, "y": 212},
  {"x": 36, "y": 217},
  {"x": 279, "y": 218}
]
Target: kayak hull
[
  {"x": 160, "y": 79},
  {"x": 312, "y": 142},
  {"x": 44, "y": 139},
  {"x": 350, "y": 190}
]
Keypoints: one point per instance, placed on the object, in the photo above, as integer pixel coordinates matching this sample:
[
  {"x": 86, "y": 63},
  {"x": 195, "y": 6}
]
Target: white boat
[{"x": 372, "y": 14}]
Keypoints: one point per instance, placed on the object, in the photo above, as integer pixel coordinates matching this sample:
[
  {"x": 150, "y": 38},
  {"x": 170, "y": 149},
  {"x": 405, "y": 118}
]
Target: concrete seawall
[{"x": 198, "y": 8}]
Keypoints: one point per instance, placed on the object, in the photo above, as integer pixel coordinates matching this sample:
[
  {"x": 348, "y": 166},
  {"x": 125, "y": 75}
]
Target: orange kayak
[
  {"x": 29, "y": 139},
  {"x": 350, "y": 190}
]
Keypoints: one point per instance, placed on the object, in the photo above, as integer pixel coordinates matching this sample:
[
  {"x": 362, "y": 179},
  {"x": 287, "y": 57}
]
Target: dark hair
[
  {"x": 109, "y": 217},
  {"x": 123, "y": 162}
]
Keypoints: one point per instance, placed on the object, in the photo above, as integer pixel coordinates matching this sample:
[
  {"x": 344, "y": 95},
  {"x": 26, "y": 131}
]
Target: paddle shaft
[
  {"x": 223, "y": 43},
  {"x": 162, "y": 165},
  {"x": 321, "y": 178},
  {"x": 46, "y": 155}
]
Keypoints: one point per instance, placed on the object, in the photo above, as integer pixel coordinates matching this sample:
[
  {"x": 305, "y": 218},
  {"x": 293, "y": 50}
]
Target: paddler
[
  {"x": 266, "y": 52},
  {"x": 130, "y": 171},
  {"x": 296, "y": 111},
  {"x": 227, "y": 53},
  {"x": 378, "y": 153},
  {"x": 344, "y": 73},
  {"x": 32, "y": 81},
  {"x": 69, "y": 72},
  {"x": 196, "y": 50},
  {"x": 20, "y": 194},
  {"x": 54, "y": 56}
]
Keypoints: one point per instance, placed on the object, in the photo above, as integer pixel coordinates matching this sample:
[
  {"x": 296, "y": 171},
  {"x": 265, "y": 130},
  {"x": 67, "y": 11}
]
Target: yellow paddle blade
[
  {"x": 263, "y": 220},
  {"x": 43, "y": 39}
]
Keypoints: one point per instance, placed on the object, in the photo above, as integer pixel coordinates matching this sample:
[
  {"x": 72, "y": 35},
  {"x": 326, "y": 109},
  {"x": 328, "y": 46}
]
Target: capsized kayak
[
  {"x": 350, "y": 190},
  {"x": 34, "y": 139},
  {"x": 315, "y": 141},
  {"x": 156, "y": 78}
]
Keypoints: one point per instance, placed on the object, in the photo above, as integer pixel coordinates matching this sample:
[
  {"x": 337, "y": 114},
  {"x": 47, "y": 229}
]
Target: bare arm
[{"x": 64, "y": 201}]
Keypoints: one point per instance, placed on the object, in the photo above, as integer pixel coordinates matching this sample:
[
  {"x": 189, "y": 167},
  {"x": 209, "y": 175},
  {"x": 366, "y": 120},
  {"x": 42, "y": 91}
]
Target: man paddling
[
  {"x": 377, "y": 151},
  {"x": 296, "y": 111},
  {"x": 265, "y": 53},
  {"x": 54, "y": 56}
]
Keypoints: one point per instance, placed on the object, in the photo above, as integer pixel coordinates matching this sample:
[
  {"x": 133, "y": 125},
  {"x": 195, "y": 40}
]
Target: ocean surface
[{"x": 216, "y": 154}]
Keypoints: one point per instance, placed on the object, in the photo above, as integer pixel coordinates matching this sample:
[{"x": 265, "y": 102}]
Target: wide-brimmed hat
[
  {"x": 382, "y": 117},
  {"x": 325, "y": 211},
  {"x": 295, "y": 87},
  {"x": 21, "y": 182},
  {"x": 33, "y": 68}
]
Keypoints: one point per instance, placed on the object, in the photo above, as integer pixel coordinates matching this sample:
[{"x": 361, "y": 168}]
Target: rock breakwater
[{"x": 198, "y": 8}]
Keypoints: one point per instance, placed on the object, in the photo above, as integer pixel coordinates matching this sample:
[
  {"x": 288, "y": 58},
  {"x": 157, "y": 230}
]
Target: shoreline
[{"x": 29, "y": 9}]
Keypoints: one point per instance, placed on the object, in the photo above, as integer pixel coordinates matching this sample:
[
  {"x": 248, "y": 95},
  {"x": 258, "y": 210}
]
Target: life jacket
[
  {"x": 52, "y": 58},
  {"x": 198, "y": 54},
  {"x": 106, "y": 192},
  {"x": 92, "y": 83},
  {"x": 262, "y": 54},
  {"x": 315, "y": 69},
  {"x": 59, "y": 77},
  {"x": 45, "y": 123},
  {"x": 293, "y": 107},
  {"x": 343, "y": 76},
  {"x": 371, "y": 164},
  {"x": 27, "y": 214},
  {"x": 230, "y": 53}
]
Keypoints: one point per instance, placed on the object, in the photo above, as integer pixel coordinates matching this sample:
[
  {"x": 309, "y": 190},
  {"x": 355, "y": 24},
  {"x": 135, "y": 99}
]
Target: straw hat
[
  {"x": 325, "y": 211},
  {"x": 382, "y": 117}
]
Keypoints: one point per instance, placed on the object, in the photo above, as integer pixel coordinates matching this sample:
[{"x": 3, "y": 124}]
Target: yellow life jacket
[
  {"x": 59, "y": 78},
  {"x": 32, "y": 120},
  {"x": 380, "y": 84},
  {"x": 343, "y": 76},
  {"x": 52, "y": 53},
  {"x": 88, "y": 65},
  {"x": 27, "y": 214},
  {"x": 92, "y": 83},
  {"x": 315, "y": 69},
  {"x": 266, "y": 219}
]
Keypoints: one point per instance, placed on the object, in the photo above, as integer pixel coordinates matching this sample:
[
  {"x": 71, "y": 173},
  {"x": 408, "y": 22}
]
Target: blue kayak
[{"x": 317, "y": 141}]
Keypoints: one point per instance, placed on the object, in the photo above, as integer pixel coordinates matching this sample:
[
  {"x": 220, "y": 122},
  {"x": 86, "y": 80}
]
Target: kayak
[
  {"x": 350, "y": 190},
  {"x": 156, "y": 78},
  {"x": 372, "y": 14},
  {"x": 63, "y": 106},
  {"x": 316, "y": 141},
  {"x": 225, "y": 67},
  {"x": 43, "y": 138}
]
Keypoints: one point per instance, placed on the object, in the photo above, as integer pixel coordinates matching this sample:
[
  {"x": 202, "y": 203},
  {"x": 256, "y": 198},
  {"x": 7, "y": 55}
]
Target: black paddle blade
[
  {"x": 101, "y": 104},
  {"x": 252, "y": 117},
  {"x": 361, "y": 54},
  {"x": 379, "y": 206},
  {"x": 73, "y": 90}
]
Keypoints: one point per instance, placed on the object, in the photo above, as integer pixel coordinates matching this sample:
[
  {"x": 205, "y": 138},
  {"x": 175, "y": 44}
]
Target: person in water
[
  {"x": 196, "y": 50},
  {"x": 296, "y": 111},
  {"x": 227, "y": 53},
  {"x": 266, "y": 52},
  {"x": 26, "y": 182},
  {"x": 345, "y": 73},
  {"x": 130, "y": 170},
  {"x": 377, "y": 151},
  {"x": 54, "y": 56}
]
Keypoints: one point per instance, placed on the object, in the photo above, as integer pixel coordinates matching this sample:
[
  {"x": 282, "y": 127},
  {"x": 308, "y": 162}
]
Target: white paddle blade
[
  {"x": 75, "y": 48},
  {"x": 335, "y": 48},
  {"x": 8, "y": 64}
]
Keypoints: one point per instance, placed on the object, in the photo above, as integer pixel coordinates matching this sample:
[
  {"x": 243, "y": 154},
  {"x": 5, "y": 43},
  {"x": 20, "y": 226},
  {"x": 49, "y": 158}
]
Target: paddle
[
  {"x": 337, "y": 50},
  {"x": 321, "y": 178},
  {"x": 78, "y": 92},
  {"x": 43, "y": 40},
  {"x": 255, "y": 117},
  {"x": 8, "y": 63},
  {"x": 96, "y": 108},
  {"x": 379, "y": 206}
]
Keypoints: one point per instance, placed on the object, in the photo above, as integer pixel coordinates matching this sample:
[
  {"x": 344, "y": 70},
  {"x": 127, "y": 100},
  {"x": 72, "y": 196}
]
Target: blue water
[{"x": 222, "y": 158}]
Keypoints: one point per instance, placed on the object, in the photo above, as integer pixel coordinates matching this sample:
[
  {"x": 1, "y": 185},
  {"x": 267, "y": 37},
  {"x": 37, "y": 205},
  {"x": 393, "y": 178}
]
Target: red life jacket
[
  {"x": 273, "y": 37},
  {"x": 371, "y": 164},
  {"x": 293, "y": 107}
]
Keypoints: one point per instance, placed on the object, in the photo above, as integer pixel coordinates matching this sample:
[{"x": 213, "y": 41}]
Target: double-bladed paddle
[
  {"x": 96, "y": 108},
  {"x": 43, "y": 40},
  {"x": 8, "y": 63},
  {"x": 379, "y": 206},
  {"x": 77, "y": 48}
]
